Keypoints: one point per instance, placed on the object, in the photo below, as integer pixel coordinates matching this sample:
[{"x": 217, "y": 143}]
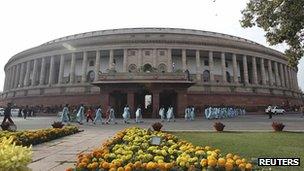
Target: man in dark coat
[{"x": 7, "y": 114}]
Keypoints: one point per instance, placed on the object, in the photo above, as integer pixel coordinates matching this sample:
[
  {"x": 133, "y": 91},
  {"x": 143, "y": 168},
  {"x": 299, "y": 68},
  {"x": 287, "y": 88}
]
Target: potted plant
[
  {"x": 157, "y": 126},
  {"x": 278, "y": 126},
  {"x": 219, "y": 126},
  {"x": 57, "y": 125}
]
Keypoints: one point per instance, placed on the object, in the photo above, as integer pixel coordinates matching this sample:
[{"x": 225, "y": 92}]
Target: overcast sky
[{"x": 29, "y": 23}]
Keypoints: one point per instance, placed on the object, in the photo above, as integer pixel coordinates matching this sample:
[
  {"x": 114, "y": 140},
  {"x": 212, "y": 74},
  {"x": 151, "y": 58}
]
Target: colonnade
[{"x": 25, "y": 74}]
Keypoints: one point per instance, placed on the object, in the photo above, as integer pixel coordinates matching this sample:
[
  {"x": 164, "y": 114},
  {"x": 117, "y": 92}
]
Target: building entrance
[
  {"x": 168, "y": 98},
  {"x": 144, "y": 99},
  {"x": 118, "y": 100}
]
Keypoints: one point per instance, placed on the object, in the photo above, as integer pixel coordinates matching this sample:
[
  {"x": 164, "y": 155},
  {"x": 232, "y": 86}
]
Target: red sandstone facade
[{"x": 119, "y": 67}]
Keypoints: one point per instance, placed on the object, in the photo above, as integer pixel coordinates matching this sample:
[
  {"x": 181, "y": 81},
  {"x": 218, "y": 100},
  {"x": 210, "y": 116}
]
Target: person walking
[
  {"x": 192, "y": 113},
  {"x": 126, "y": 114},
  {"x": 25, "y": 111},
  {"x": 89, "y": 114},
  {"x": 170, "y": 114},
  {"x": 111, "y": 115},
  {"x": 65, "y": 112},
  {"x": 80, "y": 114},
  {"x": 7, "y": 114},
  {"x": 138, "y": 115},
  {"x": 162, "y": 113},
  {"x": 98, "y": 115},
  {"x": 187, "y": 113}
]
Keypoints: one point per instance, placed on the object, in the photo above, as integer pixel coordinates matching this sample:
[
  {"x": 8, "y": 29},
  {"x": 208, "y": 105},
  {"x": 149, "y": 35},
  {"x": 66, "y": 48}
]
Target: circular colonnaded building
[{"x": 151, "y": 67}]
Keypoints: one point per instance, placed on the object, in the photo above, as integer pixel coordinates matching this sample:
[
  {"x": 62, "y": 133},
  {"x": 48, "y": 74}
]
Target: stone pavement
[{"x": 60, "y": 154}]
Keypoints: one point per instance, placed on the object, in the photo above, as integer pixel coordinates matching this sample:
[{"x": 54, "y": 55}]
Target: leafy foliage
[{"x": 283, "y": 22}]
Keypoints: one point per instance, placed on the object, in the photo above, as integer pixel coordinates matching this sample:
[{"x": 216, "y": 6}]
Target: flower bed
[
  {"x": 32, "y": 137},
  {"x": 13, "y": 157},
  {"x": 131, "y": 149}
]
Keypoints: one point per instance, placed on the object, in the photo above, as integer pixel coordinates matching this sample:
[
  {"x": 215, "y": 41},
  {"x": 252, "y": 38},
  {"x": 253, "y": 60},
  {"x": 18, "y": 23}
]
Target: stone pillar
[
  {"x": 245, "y": 67},
  {"x": 125, "y": 60},
  {"x": 155, "y": 99},
  {"x": 5, "y": 81},
  {"x": 34, "y": 74},
  {"x": 154, "y": 58},
  {"x": 140, "y": 58},
  {"x": 18, "y": 67},
  {"x": 7, "y": 87},
  {"x": 14, "y": 76},
  {"x": 11, "y": 78},
  {"x": 22, "y": 72},
  {"x": 84, "y": 67},
  {"x": 72, "y": 69},
  {"x": 263, "y": 73},
  {"x": 282, "y": 75},
  {"x": 292, "y": 78},
  {"x": 42, "y": 71},
  {"x": 211, "y": 67},
  {"x": 254, "y": 70},
  {"x": 223, "y": 62},
  {"x": 198, "y": 65},
  {"x": 52, "y": 66},
  {"x": 286, "y": 76},
  {"x": 234, "y": 67},
  {"x": 130, "y": 100},
  {"x": 270, "y": 72},
  {"x": 111, "y": 58},
  {"x": 169, "y": 60},
  {"x": 97, "y": 65},
  {"x": 27, "y": 74},
  {"x": 61, "y": 69},
  {"x": 276, "y": 70},
  {"x": 182, "y": 102},
  {"x": 184, "y": 59},
  {"x": 104, "y": 100},
  {"x": 296, "y": 80}
]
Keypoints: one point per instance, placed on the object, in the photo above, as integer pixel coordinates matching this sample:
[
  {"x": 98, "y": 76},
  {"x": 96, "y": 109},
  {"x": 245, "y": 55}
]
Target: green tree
[{"x": 283, "y": 22}]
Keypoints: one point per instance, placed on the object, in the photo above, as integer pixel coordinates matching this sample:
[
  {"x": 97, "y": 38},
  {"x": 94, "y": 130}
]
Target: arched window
[
  {"x": 91, "y": 63},
  {"x": 162, "y": 68},
  {"x": 132, "y": 68},
  {"x": 228, "y": 77},
  {"x": 206, "y": 76},
  {"x": 148, "y": 68}
]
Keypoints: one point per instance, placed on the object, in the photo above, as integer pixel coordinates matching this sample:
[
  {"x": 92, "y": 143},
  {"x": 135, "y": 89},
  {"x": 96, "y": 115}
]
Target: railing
[{"x": 142, "y": 76}]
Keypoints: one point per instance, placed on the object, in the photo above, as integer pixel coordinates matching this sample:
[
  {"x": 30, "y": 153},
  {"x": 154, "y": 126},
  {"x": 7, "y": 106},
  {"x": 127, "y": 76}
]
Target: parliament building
[{"x": 151, "y": 67}]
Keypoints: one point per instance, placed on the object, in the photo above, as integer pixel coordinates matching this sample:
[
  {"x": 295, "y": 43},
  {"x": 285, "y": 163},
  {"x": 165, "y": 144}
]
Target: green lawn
[{"x": 252, "y": 144}]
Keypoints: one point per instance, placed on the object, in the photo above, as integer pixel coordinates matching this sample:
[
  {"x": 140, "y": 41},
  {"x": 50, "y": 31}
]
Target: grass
[{"x": 252, "y": 144}]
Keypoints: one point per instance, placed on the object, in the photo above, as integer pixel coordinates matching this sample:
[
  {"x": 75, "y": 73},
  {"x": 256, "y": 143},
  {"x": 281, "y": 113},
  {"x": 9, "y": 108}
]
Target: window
[
  {"x": 132, "y": 68},
  {"x": 131, "y": 53},
  {"x": 161, "y": 53},
  {"x": 147, "y": 53},
  {"x": 206, "y": 62},
  {"x": 226, "y": 63},
  {"x": 91, "y": 63}
]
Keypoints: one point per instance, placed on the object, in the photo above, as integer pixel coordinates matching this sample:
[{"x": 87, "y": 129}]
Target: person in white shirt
[
  {"x": 162, "y": 113},
  {"x": 98, "y": 115},
  {"x": 138, "y": 115}
]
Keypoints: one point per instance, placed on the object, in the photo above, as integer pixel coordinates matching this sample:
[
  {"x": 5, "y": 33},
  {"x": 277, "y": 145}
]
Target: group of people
[
  {"x": 189, "y": 113},
  {"x": 214, "y": 112},
  {"x": 109, "y": 115},
  {"x": 166, "y": 114}
]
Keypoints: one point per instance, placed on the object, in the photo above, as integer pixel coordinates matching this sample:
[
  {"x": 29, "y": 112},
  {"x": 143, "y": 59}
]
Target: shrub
[
  {"x": 14, "y": 157},
  {"x": 57, "y": 125},
  {"x": 278, "y": 126},
  {"x": 219, "y": 126},
  {"x": 157, "y": 126}
]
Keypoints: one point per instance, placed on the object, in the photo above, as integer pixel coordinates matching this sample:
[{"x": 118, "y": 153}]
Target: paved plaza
[{"x": 59, "y": 154}]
